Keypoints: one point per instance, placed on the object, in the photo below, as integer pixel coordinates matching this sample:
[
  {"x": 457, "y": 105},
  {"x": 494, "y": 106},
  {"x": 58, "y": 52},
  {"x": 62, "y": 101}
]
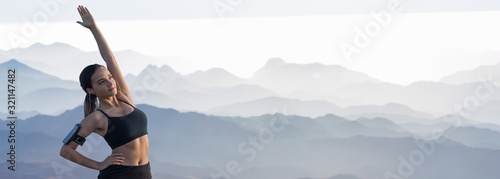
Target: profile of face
[{"x": 103, "y": 84}]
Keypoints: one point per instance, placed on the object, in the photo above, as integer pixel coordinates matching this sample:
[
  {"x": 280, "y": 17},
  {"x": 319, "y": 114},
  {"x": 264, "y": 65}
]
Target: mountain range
[
  {"x": 307, "y": 89},
  {"x": 288, "y": 121},
  {"x": 193, "y": 145},
  {"x": 479, "y": 74},
  {"x": 65, "y": 61}
]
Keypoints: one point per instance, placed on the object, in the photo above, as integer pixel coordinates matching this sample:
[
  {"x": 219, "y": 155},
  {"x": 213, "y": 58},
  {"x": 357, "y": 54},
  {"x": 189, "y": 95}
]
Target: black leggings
[{"x": 126, "y": 172}]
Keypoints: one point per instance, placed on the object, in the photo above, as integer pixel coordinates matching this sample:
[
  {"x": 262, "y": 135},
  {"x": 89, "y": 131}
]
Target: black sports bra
[{"x": 122, "y": 130}]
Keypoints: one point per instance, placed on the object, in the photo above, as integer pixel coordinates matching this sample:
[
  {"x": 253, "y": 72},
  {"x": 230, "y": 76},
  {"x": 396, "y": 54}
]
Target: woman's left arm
[{"x": 106, "y": 53}]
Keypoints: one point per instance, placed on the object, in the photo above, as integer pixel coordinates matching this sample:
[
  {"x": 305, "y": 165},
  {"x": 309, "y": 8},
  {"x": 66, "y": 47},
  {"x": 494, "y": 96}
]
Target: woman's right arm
[
  {"x": 89, "y": 125},
  {"x": 69, "y": 152},
  {"x": 106, "y": 53}
]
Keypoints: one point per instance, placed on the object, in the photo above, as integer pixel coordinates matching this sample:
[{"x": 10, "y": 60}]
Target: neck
[{"x": 108, "y": 102}]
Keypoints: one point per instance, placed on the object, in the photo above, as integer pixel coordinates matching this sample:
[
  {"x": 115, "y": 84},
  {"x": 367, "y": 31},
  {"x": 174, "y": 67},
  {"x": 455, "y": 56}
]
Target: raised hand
[{"x": 87, "y": 19}]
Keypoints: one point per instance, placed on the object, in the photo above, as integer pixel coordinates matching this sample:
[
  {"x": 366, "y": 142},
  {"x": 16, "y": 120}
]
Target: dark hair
[{"x": 90, "y": 102}]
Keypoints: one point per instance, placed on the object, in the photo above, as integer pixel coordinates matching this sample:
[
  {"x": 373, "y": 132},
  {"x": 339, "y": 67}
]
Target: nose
[{"x": 109, "y": 83}]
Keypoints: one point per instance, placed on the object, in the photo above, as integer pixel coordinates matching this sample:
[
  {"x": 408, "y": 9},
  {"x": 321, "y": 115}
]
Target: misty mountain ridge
[
  {"x": 34, "y": 87},
  {"x": 312, "y": 108},
  {"x": 39, "y": 50},
  {"x": 66, "y": 61},
  {"x": 43, "y": 53},
  {"x": 479, "y": 74},
  {"x": 315, "y": 82},
  {"x": 309, "y": 76},
  {"x": 190, "y": 145},
  {"x": 474, "y": 137},
  {"x": 165, "y": 77},
  {"x": 216, "y": 77},
  {"x": 401, "y": 94}
]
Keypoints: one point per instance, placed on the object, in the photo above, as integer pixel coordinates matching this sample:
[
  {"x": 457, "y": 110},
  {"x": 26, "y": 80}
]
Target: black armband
[{"x": 73, "y": 136}]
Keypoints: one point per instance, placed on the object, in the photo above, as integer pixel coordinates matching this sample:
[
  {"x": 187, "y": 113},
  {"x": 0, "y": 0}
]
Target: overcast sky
[
  {"x": 14, "y": 11},
  {"x": 423, "y": 40}
]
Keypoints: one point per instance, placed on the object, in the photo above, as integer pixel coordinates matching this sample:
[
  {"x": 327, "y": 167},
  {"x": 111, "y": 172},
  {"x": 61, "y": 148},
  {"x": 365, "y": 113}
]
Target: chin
[{"x": 112, "y": 93}]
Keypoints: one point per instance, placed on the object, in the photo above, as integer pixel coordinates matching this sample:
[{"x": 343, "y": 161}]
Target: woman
[{"x": 126, "y": 134}]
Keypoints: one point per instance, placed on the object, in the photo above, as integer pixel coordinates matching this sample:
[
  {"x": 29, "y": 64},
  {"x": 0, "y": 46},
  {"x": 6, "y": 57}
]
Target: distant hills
[
  {"x": 288, "y": 121},
  {"x": 38, "y": 92},
  {"x": 216, "y": 77},
  {"x": 304, "y": 89},
  {"x": 191, "y": 145},
  {"x": 479, "y": 74},
  {"x": 312, "y": 108},
  {"x": 64, "y": 60},
  {"x": 315, "y": 78}
]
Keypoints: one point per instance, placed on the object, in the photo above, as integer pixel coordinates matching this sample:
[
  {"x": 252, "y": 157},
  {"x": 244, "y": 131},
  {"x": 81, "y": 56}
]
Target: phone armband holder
[{"x": 73, "y": 136}]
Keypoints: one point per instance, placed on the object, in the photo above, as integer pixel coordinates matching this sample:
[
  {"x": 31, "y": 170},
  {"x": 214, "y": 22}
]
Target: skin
[{"x": 108, "y": 84}]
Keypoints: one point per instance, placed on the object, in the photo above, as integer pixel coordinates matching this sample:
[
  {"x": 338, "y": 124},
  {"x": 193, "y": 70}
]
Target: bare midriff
[{"x": 135, "y": 152}]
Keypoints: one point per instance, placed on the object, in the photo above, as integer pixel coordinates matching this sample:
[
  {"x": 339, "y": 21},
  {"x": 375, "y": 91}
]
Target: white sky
[{"x": 412, "y": 47}]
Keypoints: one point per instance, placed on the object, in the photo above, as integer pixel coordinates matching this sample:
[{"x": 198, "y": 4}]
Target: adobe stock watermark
[
  {"x": 222, "y": 7},
  {"x": 425, "y": 148},
  {"x": 249, "y": 148},
  {"x": 363, "y": 36},
  {"x": 31, "y": 26}
]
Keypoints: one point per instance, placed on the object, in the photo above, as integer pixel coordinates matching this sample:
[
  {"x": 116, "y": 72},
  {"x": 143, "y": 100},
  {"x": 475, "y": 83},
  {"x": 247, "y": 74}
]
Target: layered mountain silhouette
[
  {"x": 39, "y": 92},
  {"x": 66, "y": 61},
  {"x": 314, "y": 78},
  {"x": 287, "y": 121},
  {"x": 216, "y": 77},
  {"x": 216, "y": 91},
  {"x": 479, "y": 74},
  {"x": 192, "y": 145}
]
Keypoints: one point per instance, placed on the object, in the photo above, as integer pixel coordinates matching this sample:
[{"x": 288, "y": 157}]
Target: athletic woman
[{"x": 123, "y": 126}]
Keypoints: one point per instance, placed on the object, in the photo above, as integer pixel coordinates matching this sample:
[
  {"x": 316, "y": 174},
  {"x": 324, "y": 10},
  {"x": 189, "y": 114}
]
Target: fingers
[
  {"x": 83, "y": 10},
  {"x": 117, "y": 154},
  {"x": 118, "y": 159},
  {"x": 80, "y": 10}
]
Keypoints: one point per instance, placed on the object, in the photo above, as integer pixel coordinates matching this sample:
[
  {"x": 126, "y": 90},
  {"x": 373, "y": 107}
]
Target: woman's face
[{"x": 103, "y": 83}]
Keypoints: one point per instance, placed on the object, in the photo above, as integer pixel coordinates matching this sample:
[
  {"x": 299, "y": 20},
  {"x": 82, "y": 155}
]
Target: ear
[{"x": 89, "y": 90}]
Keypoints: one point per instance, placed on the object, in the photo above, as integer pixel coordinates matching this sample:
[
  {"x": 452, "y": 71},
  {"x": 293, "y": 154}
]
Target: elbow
[{"x": 64, "y": 151}]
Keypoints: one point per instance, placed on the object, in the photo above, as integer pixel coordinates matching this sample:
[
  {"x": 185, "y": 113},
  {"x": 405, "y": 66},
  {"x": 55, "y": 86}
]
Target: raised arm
[{"x": 106, "y": 54}]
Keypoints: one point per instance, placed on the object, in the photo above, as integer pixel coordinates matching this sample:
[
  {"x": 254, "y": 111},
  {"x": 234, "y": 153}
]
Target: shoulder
[
  {"x": 94, "y": 120},
  {"x": 91, "y": 123},
  {"x": 94, "y": 116}
]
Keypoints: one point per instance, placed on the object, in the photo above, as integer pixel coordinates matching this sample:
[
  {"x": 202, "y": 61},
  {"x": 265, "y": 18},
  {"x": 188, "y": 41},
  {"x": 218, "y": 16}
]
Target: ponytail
[{"x": 90, "y": 104}]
